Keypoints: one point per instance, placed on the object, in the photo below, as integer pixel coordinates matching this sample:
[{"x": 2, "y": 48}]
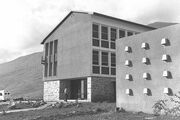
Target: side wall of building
[
  {"x": 135, "y": 99},
  {"x": 73, "y": 47}
]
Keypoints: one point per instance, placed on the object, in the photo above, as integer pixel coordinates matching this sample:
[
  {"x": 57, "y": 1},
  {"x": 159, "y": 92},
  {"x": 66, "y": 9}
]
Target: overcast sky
[{"x": 25, "y": 23}]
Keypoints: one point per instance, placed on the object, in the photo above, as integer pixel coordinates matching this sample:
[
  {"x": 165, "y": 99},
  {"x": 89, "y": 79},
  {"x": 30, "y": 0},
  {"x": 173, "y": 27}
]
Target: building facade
[
  {"x": 148, "y": 68},
  {"x": 80, "y": 55}
]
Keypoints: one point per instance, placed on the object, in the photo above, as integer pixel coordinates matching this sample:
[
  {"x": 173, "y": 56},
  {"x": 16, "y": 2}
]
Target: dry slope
[{"x": 22, "y": 77}]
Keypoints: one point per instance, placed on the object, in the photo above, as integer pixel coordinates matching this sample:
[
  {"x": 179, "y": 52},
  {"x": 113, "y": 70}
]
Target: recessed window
[
  {"x": 96, "y": 69},
  {"x": 104, "y": 44},
  {"x": 129, "y": 33},
  {"x": 113, "y": 59},
  {"x": 122, "y": 33},
  {"x": 105, "y": 70},
  {"x": 95, "y": 31},
  {"x": 127, "y": 49},
  {"x": 113, "y": 38},
  {"x": 145, "y": 46},
  {"x": 95, "y": 62},
  {"x": 104, "y": 32},
  {"x": 96, "y": 42},
  {"x": 95, "y": 57},
  {"x": 104, "y": 58}
]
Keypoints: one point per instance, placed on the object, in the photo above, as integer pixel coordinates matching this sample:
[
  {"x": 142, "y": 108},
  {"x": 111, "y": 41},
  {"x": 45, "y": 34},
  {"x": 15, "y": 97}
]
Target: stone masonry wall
[
  {"x": 51, "y": 90},
  {"x": 102, "y": 89}
]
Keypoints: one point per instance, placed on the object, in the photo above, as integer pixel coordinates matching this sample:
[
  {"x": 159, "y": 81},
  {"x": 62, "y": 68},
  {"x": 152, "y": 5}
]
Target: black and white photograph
[{"x": 89, "y": 60}]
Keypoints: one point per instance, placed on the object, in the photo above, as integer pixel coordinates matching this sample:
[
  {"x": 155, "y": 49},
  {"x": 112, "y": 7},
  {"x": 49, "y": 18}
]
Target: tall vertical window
[
  {"x": 113, "y": 38},
  {"x": 46, "y": 62},
  {"x": 104, "y": 63},
  {"x": 95, "y": 62},
  {"x": 55, "y": 57},
  {"x": 104, "y": 37},
  {"x": 122, "y": 33},
  {"x": 50, "y": 58},
  {"x": 95, "y": 35},
  {"x": 113, "y": 64}
]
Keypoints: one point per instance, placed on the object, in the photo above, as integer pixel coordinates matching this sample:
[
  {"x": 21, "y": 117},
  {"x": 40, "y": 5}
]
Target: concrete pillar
[{"x": 89, "y": 89}]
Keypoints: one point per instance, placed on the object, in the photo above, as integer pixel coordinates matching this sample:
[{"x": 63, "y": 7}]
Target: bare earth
[{"x": 85, "y": 111}]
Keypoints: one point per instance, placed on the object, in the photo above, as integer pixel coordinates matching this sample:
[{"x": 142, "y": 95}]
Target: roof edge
[{"x": 93, "y": 13}]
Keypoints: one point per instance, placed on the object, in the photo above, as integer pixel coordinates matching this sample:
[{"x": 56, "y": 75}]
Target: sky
[{"x": 25, "y": 23}]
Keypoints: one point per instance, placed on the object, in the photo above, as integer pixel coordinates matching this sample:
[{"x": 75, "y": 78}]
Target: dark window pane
[
  {"x": 55, "y": 68},
  {"x": 122, "y": 33},
  {"x": 95, "y": 31},
  {"x": 46, "y": 49},
  {"x": 113, "y": 46},
  {"x": 51, "y": 48},
  {"x": 105, "y": 58},
  {"x": 105, "y": 70},
  {"x": 96, "y": 69},
  {"x": 46, "y": 70},
  {"x": 95, "y": 42},
  {"x": 50, "y": 69},
  {"x": 95, "y": 57},
  {"x": 55, "y": 46},
  {"x": 104, "y": 33},
  {"x": 113, "y": 59},
  {"x": 113, "y": 71},
  {"x": 129, "y": 33},
  {"x": 113, "y": 34},
  {"x": 105, "y": 44}
]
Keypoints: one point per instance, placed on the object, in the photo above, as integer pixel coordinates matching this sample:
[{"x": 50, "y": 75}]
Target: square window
[
  {"x": 113, "y": 46},
  {"x": 105, "y": 44},
  {"x": 105, "y": 70},
  {"x": 96, "y": 42},
  {"x": 96, "y": 69}
]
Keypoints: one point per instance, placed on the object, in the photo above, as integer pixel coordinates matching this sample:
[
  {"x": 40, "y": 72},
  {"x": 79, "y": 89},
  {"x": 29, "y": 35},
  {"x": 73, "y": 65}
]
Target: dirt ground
[{"x": 84, "y": 111}]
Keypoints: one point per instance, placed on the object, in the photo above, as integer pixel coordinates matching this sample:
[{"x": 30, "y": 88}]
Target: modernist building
[
  {"x": 148, "y": 68},
  {"x": 79, "y": 54}
]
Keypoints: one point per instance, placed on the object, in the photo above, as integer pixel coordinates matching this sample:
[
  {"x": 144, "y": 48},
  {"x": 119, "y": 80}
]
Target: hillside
[{"x": 22, "y": 77}]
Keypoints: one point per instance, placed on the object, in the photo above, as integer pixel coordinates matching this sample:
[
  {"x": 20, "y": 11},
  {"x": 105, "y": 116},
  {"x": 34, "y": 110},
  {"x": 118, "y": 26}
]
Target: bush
[{"x": 169, "y": 106}]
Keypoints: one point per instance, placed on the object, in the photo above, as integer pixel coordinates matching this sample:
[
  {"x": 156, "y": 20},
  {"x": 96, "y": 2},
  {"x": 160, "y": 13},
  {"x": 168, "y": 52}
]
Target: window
[
  {"x": 122, "y": 33},
  {"x": 129, "y": 33},
  {"x": 95, "y": 35},
  {"x": 95, "y": 31},
  {"x": 46, "y": 49},
  {"x": 104, "y": 44},
  {"x": 0, "y": 94},
  {"x": 46, "y": 60},
  {"x": 113, "y": 59},
  {"x": 50, "y": 59},
  {"x": 105, "y": 58},
  {"x": 95, "y": 62},
  {"x": 95, "y": 57},
  {"x": 105, "y": 70},
  {"x": 113, "y": 38},
  {"x": 113, "y": 64},
  {"x": 104, "y": 63},
  {"x": 104, "y": 32},
  {"x": 55, "y": 57}
]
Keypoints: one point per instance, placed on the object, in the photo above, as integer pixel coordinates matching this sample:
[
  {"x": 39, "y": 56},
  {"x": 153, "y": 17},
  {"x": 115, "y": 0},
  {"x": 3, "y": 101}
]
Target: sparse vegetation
[{"x": 169, "y": 106}]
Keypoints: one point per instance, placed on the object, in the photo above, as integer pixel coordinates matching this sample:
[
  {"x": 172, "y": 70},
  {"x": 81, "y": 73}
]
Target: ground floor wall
[{"x": 90, "y": 89}]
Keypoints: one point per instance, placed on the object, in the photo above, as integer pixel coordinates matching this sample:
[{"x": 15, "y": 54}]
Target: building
[
  {"x": 148, "y": 68},
  {"x": 4, "y": 95},
  {"x": 79, "y": 54}
]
